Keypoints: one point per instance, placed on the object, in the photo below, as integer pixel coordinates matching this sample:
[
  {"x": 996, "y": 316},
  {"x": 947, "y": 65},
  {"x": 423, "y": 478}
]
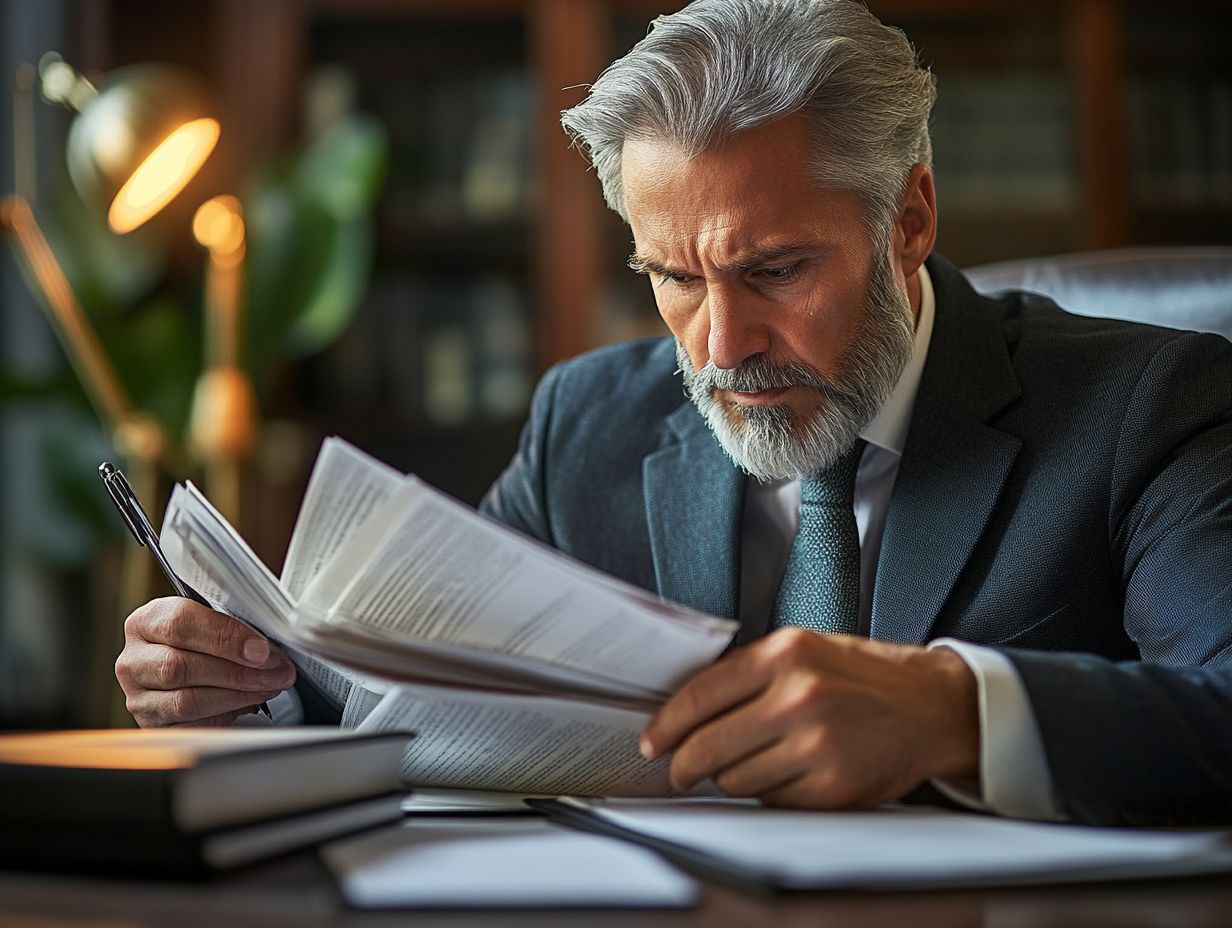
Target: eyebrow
[
  {"x": 754, "y": 259},
  {"x": 644, "y": 265}
]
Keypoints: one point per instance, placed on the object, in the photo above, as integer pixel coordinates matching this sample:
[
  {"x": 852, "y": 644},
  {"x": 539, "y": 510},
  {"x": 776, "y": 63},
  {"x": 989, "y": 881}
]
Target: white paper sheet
[
  {"x": 469, "y": 863},
  {"x": 427, "y": 568},
  {"x": 908, "y": 847},
  {"x": 346, "y": 487},
  {"x": 419, "y": 571},
  {"x": 467, "y": 801}
]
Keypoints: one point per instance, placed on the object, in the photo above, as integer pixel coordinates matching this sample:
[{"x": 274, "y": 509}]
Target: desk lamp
[
  {"x": 123, "y": 152},
  {"x": 136, "y": 142}
]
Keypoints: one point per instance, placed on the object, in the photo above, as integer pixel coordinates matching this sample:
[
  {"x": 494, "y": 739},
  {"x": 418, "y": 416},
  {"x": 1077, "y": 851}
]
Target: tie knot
[{"x": 835, "y": 486}]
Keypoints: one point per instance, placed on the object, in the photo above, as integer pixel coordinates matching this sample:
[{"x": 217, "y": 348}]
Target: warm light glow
[
  {"x": 163, "y": 174},
  {"x": 219, "y": 225}
]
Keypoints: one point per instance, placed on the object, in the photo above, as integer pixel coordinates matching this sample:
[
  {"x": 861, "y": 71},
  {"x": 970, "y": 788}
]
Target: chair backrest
[{"x": 1182, "y": 288}]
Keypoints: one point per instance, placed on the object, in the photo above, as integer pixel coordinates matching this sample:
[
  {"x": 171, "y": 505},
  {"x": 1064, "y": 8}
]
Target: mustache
[{"x": 759, "y": 373}]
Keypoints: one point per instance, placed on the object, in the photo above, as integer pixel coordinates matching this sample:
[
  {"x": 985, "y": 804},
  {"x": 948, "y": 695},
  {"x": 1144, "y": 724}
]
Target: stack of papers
[{"x": 518, "y": 668}]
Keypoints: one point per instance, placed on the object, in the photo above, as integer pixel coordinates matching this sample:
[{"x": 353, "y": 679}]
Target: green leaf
[
  {"x": 310, "y": 242},
  {"x": 343, "y": 169},
  {"x": 157, "y": 349},
  {"x": 339, "y": 286}
]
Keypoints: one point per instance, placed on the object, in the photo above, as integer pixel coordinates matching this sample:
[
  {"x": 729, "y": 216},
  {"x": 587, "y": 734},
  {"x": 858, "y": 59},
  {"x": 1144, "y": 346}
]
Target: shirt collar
[{"x": 888, "y": 429}]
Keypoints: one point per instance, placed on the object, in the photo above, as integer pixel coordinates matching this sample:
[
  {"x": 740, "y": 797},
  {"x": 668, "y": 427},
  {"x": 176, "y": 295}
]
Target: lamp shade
[{"x": 136, "y": 144}]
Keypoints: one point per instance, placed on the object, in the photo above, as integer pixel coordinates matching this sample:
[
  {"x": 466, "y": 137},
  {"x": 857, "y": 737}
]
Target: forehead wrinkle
[
  {"x": 725, "y": 243},
  {"x": 760, "y": 255},
  {"x": 743, "y": 259}
]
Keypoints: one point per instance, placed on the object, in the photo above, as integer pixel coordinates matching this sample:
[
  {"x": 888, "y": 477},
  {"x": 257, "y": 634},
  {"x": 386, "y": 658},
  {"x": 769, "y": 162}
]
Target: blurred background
[{"x": 419, "y": 243}]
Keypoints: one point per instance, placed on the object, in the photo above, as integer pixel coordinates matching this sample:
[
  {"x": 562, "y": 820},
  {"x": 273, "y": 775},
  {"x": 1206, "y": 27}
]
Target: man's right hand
[{"x": 184, "y": 664}]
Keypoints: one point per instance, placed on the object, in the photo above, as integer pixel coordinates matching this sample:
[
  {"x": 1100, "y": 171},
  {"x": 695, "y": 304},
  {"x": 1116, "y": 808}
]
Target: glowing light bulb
[
  {"x": 163, "y": 174},
  {"x": 219, "y": 225}
]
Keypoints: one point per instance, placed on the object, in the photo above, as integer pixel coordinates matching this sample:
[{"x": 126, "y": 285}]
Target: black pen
[{"x": 138, "y": 523}]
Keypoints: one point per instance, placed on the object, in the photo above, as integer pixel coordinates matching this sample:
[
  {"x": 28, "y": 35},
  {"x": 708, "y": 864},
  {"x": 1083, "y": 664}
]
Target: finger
[
  {"x": 769, "y": 772},
  {"x": 192, "y": 705},
  {"x": 159, "y": 667},
  {"x": 182, "y": 623},
  {"x": 731, "y": 681},
  {"x": 725, "y": 742},
  {"x": 819, "y": 791}
]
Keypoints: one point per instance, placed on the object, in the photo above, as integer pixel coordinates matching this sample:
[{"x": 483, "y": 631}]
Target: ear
[{"x": 915, "y": 228}]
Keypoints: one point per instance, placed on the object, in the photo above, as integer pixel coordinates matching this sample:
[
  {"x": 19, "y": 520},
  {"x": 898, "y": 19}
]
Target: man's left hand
[{"x": 821, "y": 721}]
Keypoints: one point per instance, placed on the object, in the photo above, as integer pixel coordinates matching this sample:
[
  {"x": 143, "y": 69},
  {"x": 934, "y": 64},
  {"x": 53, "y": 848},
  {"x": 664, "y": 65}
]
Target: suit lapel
[
  {"x": 954, "y": 464},
  {"x": 694, "y": 509}
]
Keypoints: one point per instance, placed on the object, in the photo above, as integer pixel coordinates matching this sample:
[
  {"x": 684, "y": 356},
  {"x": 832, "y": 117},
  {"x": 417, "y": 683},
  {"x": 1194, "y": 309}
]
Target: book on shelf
[
  {"x": 1180, "y": 145},
  {"x": 179, "y": 800},
  {"x": 425, "y": 354},
  {"x": 518, "y": 668},
  {"x": 1004, "y": 141}
]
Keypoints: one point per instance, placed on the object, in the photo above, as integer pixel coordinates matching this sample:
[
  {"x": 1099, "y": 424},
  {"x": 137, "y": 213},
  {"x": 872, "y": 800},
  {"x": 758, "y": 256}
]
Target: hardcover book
[{"x": 182, "y": 799}]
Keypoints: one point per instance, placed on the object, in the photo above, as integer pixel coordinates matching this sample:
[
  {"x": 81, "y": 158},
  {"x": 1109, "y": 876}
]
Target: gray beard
[{"x": 767, "y": 441}]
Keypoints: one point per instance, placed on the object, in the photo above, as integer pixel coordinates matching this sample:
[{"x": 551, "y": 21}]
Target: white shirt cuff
[
  {"x": 1014, "y": 776},
  {"x": 286, "y": 708}
]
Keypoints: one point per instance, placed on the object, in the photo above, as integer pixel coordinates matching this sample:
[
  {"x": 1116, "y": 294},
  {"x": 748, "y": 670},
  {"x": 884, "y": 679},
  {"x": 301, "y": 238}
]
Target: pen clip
[
  {"x": 138, "y": 523},
  {"x": 122, "y": 495}
]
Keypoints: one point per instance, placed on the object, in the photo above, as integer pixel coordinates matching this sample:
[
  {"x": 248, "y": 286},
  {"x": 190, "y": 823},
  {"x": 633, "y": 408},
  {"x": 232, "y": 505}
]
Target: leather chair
[{"x": 1178, "y": 287}]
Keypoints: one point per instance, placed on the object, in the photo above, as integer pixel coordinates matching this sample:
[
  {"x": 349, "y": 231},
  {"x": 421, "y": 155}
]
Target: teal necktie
[{"x": 821, "y": 586}]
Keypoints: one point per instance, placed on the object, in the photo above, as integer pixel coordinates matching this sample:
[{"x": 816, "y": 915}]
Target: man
[{"x": 914, "y": 463}]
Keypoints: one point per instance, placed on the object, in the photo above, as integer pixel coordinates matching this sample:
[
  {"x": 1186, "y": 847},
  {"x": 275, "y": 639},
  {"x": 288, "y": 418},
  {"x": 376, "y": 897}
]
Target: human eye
[
  {"x": 779, "y": 272},
  {"x": 680, "y": 278}
]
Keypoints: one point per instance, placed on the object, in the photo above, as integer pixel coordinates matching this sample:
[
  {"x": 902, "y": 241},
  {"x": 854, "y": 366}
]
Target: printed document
[{"x": 520, "y": 668}]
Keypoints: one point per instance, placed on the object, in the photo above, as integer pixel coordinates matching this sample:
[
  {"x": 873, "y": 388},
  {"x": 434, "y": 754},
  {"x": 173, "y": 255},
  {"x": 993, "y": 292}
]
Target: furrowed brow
[
  {"x": 771, "y": 255},
  {"x": 644, "y": 265},
  {"x": 762, "y": 257}
]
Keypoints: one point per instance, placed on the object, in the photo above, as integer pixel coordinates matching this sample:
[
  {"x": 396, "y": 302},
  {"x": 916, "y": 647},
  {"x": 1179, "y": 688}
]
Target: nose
[{"x": 735, "y": 332}]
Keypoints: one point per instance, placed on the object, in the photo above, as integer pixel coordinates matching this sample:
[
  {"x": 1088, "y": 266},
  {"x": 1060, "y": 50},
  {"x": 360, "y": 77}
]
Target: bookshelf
[{"x": 1061, "y": 125}]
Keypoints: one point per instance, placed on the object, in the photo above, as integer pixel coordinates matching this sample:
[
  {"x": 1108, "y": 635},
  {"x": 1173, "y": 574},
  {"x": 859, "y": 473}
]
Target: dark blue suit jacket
[{"x": 1065, "y": 494}]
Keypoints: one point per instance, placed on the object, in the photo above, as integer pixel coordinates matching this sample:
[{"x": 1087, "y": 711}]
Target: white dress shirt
[{"x": 1014, "y": 778}]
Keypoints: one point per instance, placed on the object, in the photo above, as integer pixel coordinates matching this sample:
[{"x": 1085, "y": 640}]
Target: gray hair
[{"x": 721, "y": 66}]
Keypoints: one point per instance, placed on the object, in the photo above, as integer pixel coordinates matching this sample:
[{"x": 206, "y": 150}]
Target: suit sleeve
[
  {"x": 1134, "y": 743},
  {"x": 519, "y": 496},
  {"x": 1150, "y": 742}
]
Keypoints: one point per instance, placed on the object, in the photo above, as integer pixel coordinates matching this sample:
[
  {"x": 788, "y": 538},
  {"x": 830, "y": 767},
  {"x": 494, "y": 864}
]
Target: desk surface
[{"x": 298, "y": 892}]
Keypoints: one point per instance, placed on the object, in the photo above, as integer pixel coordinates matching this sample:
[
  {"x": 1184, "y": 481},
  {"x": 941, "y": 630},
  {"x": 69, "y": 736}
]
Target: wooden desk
[{"x": 298, "y": 892}]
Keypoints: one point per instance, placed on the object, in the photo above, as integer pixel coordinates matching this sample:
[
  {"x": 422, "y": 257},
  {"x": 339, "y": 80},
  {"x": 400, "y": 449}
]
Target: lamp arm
[
  {"x": 69, "y": 321},
  {"x": 136, "y": 435}
]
